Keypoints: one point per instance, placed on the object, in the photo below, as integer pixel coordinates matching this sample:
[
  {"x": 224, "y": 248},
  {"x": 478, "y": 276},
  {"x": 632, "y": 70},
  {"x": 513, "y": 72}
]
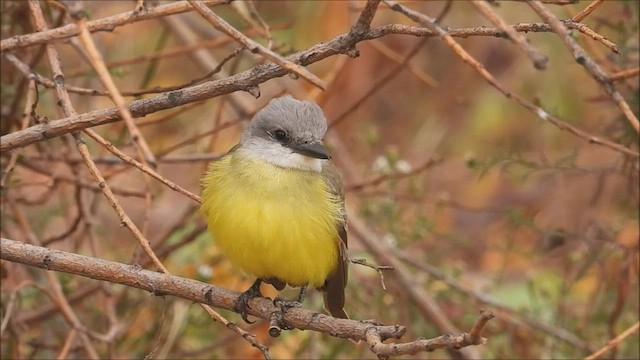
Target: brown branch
[
  {"x": 625, "y": 74},
  {"x": 114, "y": 160},
  {"x": 424, "y": 302},
  {"x": 248, "y": 12},
  {"x": 394, "y": 176},
  {"x": 30, "y": 104},
  {"x": 165, "y": 284},
  {"x": 111, "y": 199},
  {"x": 482, "y": 71},
  {"x": 378, "y": 268},
  {"x": 68, "y": 110},
  {"x": 253, "y": 46},
  {"x": 142, "y": 167},
  {"x": 473, "y": 337},
  {"x": 105, "y": 24},
  {"x": 538, "y": 59},
  {"x": 378, "y": 84},
  {"x": 97, "y": 62},
  {"x": 614, "y": 342},
  {"x": 551, "y": 2},
  {"x": 506, "y": 312},
  {"x": 592, "y": 34},
  {"x": 63, "y": 176},
  {"x": 587, "y": 11},
  {"x": 55, "y": 291},
  {"x": 363, "y": 24},
  {"x": 415, "y": 70},
  {"x": 583, "y": 59},
  {"x": 249, "y": 79}
]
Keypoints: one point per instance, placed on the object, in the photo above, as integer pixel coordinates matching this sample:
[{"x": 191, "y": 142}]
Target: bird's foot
[
  {"x": 285, "y": 304},
  {"x": 276, "y": 320},
  {"x": 242, "y": 304}
]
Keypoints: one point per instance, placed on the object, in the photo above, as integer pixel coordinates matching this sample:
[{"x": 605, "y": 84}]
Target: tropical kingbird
[{"x": 275, "y": 204}]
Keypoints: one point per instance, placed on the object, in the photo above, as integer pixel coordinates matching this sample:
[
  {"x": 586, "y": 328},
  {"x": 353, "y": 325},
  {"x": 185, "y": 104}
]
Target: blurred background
[{"x": 485, "y": 205}]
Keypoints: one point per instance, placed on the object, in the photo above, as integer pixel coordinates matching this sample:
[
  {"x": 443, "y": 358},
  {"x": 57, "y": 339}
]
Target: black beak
[{"x": 314, "y": 150}]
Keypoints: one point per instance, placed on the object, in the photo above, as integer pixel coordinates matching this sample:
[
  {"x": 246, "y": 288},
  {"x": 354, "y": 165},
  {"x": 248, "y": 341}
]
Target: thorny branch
[
  {"x": 447, "y": 38},
  {"x": 249, "y": 79},
  {"x": 166, "y": 284},
  {"x": 104, "y": 24}
]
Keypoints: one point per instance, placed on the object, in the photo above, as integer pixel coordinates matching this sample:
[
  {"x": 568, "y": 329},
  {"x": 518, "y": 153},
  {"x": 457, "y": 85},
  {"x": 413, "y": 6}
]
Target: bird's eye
[{"x": 281, "y": 136}]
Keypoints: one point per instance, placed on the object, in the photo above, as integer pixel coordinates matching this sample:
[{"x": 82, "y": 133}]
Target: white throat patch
[{"x": 279, "y": 155}]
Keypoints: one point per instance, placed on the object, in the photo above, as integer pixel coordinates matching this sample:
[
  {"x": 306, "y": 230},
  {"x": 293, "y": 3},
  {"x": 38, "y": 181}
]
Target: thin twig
[
  {"x": 30, "y": 104},
  {"x": 538, "y": 59},
  {"x": 104, "y": 24},
  {"x": 144, "y": 168},
  {"x": 592, "y": 34},
  {"x": 62, "y": 176},
  {"x": 166, "y": 284},
  {"x": 614, "y": 342},
  {"x": 247, "y": 10},
  {"x": 124, "y": 218},
  {"x": 394, "y": 176},
  {"x": 378, "y": 268},
  {"x": 399, "y": 59},
  {"x": 250, "y": 78},
  {"x": 97, "y": 62},
  {"x": 587, "y": 11},
  {"x": 378, "y": 84},
  {"x": 583, "y": 59},
  {"x": 253, "y": 46},
  {"x": 473, "y": 337},
  {"x": 425, "y": 303},
  {"x": 507, "y": 312},
  {"x": 363, "y": 24},
  {"x": 482, "y": 71},
  {"x": 625, "y": 74},
  {"x": 55, "y": 292}
]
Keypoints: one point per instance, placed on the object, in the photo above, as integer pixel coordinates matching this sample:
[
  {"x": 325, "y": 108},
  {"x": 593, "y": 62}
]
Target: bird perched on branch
[{"x": 275, "y": 205}]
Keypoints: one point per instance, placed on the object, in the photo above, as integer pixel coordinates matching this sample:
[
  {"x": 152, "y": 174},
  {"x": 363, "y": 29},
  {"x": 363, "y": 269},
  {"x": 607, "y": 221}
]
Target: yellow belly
[{"x": 272, "y": 221}]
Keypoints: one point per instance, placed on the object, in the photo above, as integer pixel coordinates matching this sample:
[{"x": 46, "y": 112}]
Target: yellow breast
[{"x": 272, "y": 221}]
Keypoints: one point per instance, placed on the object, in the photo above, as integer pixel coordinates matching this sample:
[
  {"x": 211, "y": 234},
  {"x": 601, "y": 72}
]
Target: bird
[{"x": 275, "y": 205}]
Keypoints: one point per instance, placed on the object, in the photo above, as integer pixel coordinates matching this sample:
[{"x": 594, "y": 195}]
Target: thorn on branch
[
  {"x": 352, "y": 52},
  {"x": 254, "y": 90}
]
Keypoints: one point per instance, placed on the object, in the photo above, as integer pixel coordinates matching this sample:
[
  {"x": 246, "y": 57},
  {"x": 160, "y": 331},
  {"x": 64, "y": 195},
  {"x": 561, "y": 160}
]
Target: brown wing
[{"x": 333, "y": 287}]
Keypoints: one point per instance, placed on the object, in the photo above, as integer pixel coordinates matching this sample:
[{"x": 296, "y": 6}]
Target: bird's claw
[{"x": 242, "y": 304}]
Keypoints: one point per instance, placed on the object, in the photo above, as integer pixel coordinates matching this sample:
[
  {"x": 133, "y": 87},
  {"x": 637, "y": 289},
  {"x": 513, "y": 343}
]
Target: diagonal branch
[
  {"x": 250, "y": 78},
  {"x": 105, "y": 24},
  {"x": 485, "y": 74},
  {"x": 366, "y": 16},
  {"x": 166, "y": 284},
  {"x": 539, "y": 60},
  {"x": 583, "y": 59},
  {"x": 253, "y": 46}
]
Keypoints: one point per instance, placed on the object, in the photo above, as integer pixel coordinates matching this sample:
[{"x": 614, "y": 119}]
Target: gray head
[{"x": 288, "y": 133}]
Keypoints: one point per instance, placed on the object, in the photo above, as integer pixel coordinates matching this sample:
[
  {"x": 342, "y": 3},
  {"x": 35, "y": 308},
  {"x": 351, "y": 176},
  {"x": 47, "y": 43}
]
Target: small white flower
[
  {"x": 390, "y": 240},
  {"x": 543, "y": 114},
  {"x": 403, "y": 166},
  {"x": 205, "y": 271},
  {"x": 381, "y": 164}
]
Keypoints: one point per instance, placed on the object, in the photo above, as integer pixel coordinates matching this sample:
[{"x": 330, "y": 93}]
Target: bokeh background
[{"x": 486, "y": 205}]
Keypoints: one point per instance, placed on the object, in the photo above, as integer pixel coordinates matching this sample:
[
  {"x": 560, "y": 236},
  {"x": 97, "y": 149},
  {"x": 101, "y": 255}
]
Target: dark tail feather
[{"x": 333, "y": 293}]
